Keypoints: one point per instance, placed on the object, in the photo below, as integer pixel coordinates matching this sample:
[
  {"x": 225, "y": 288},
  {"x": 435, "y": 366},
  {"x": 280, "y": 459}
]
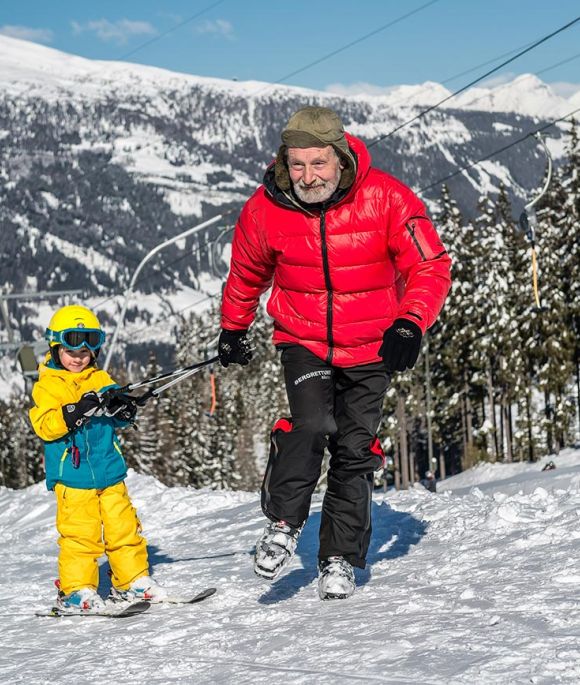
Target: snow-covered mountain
[
  {"x": 525, "y": 95},
  {"x": 101, "y": 161},
  {"x": 476, "y": 584}
]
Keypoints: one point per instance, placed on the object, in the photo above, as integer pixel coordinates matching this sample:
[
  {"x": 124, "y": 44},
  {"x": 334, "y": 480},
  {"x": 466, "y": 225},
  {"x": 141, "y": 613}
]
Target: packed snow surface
[{"x": 478, "y": 583}]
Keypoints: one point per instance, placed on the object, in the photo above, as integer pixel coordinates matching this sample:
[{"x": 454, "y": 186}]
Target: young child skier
[{"x": 85, "y": 468}]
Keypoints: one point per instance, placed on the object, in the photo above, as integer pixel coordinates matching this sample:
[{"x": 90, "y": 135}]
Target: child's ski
[
  {"x": 110, "y": 612},
  {"x": 174, "y": 599},
  {"x": 124, "y": 611}
]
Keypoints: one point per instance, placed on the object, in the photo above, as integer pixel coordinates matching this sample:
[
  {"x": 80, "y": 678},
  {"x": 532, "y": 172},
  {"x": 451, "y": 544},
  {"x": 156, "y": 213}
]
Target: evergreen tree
[
  {"x": 570, "y": 252},
  {"x": 522, "y": 321},
  {"x": 454, "y": 366},
  {"x": 554, "y": 362},
  {"x": 21, "y": 460},
  {"x": 195, "y": 447},
  {"x": 142, "y": 446}
]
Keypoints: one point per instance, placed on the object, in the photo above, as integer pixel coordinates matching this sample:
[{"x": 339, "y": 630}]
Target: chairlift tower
[
  {"x": 148, "y": 256},
  {"x": 27, "y": 352}
]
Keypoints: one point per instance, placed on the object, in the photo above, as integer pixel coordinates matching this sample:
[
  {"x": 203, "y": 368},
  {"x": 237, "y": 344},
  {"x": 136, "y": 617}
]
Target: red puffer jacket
[{"x": 341, "y": 275}]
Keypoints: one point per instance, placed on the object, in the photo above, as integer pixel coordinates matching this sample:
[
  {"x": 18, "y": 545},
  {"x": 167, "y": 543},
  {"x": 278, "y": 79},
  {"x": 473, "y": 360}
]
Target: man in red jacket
[{"x": 358, "y": 274}]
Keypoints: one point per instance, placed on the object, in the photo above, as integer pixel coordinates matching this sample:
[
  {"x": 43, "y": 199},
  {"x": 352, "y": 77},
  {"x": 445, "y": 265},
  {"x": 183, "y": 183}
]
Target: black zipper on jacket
[
  {"x": 328, "y": 286},
  {"x": 411, "y": 228}
]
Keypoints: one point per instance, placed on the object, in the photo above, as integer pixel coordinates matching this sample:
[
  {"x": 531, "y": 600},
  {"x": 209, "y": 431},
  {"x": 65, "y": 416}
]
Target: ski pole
[
  {"x": 161, "y": 377},
  {"x": 177, "y": 375},
  {"x": 154, "y": 392}
]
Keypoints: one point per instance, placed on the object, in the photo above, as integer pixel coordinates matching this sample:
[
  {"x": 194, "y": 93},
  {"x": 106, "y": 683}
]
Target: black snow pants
[{"x": 338, "y": 408}]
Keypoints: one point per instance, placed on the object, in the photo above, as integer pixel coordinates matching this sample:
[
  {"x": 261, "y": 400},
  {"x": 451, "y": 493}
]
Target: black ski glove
[
  {"x": 75, "y": 415},
  {"x": 401, "y": 345},
  {"x": 122, "y": 407},
  {"x": 234, "y": 348}
]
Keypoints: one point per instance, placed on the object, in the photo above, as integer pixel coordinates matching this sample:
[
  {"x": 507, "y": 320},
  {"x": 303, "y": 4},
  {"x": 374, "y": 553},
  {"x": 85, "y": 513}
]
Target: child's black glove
[
  {"x": 234, "y": 348},
  {"x": 75, "y": 415},
  {"x": 122, "y": 407}
]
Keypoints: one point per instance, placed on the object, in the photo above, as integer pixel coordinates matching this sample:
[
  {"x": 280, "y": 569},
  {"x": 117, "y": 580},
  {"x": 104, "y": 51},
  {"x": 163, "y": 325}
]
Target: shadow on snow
[
  {"x": 156, "y": 557},
  {"x": 394, "y": 533}
]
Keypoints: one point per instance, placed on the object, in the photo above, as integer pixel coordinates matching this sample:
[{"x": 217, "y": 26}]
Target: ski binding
[{"x": 126, "y": 611}]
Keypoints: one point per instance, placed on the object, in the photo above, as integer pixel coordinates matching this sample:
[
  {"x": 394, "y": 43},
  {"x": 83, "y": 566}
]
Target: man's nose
[{"x": 308, "y": 176}]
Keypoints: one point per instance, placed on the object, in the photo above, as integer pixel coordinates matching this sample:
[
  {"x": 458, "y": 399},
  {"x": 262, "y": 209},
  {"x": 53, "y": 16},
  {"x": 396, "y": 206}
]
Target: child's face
[{"x": 74, "y": 360}]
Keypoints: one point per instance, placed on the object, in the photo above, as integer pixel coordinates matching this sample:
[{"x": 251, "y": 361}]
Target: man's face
[{"x": 314, "y": 172}]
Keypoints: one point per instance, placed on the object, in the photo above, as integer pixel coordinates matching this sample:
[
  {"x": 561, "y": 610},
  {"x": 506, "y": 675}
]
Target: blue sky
[{"x": 268, "y": 40}]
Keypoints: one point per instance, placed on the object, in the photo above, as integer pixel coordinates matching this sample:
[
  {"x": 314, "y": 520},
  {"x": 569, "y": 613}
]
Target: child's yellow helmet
[{"x": 75, "y": 326}]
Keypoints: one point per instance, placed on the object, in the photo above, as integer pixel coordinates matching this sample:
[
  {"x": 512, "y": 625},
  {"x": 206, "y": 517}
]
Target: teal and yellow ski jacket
[{"x": 101, "y": 461}]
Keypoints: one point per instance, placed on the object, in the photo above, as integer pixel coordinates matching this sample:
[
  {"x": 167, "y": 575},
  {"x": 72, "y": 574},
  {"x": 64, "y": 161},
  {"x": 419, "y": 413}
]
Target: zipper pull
[{"x": 75, "y": 456}]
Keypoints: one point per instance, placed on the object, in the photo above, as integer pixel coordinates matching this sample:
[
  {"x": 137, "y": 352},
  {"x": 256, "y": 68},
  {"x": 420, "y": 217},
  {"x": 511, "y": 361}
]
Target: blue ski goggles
[{"x": 75, "y": 338}]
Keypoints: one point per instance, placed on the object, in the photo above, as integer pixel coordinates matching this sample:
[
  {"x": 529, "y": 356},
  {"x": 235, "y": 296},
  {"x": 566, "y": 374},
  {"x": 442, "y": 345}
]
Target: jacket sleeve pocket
[{"x": 424, "y": 238}]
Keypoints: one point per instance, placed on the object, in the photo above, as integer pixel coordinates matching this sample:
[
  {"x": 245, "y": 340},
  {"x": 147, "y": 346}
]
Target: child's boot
[
  {"x": 143, "y": 588},
  {"x": 83, "y": 600}
]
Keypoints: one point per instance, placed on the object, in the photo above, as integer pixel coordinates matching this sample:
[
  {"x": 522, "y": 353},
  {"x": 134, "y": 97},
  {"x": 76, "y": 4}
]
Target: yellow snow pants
[{"x": 96, "y": 522}]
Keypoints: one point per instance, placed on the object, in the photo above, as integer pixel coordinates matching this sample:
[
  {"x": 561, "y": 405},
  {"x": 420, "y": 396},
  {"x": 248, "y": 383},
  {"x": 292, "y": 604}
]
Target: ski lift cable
[
  {"x": 518, "y": 141},
  {"x": 526, "y": 48},
  {"x": 347, "y": 46},
  {"x": 40, "y": 153},
  {"x": 536, "y": 133},
  {"x": 528, "y": 76},
  {"x": 491, "y": 61},
  {"x": 558, "y": 64},
  {"x": 442, "y": 180},
  {"x": 484, "y": 64},
  {"x": 170, "y": 30},
  {"x": 467, "y": 71},
  {"x": 474, "y": 81}
]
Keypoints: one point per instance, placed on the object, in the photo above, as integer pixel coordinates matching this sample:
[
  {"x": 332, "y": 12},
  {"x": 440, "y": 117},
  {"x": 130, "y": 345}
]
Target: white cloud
[
  {"x": 358, "y": 88},
  {"x": 119, "y": 31},
  {"x": 565, "y": 89},
  {"x": 174, "y": 18},
  {"x": 27, "y": 33},
  {"x": 499, "y": 80},
  {"x": 218, "y": 27}
]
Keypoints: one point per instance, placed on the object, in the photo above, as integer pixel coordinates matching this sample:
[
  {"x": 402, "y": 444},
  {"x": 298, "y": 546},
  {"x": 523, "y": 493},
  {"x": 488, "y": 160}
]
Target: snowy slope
[
  {"x": 472, "y": 585},
  {"x": 525, "y": 94},
  {"x": 27, "y": 68}
]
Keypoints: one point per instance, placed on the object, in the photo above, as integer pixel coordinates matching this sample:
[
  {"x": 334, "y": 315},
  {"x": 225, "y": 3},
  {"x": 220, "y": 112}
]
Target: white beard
[{"x": 322, "y": 191}]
